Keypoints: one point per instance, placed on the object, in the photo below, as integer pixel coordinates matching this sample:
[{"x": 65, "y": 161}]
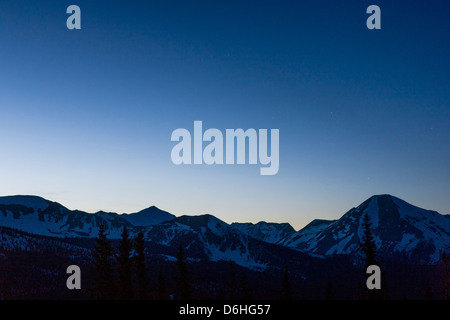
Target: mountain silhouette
[
  {"x": 401, "y": 230},
  {"x": 148, "y": 217}
]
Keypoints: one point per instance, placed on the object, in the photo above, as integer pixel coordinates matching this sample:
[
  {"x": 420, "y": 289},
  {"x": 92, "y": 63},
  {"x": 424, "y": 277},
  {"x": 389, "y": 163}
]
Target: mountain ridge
[{"x": 401, "y": 230}]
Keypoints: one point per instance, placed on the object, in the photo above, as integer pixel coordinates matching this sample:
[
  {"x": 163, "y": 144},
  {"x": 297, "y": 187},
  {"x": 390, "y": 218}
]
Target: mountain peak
[
  {"x": 148, "y": 217},
  {"x": 377, "y": 197},
  {"x": 399, "y": 228},
  {"x": 383, "y": 195},
  {"x": 387, "y": 197},
  {"x": 29, "y": 201},
  {"x": 198, "y": 221},
  {"x": 150, "y": 210}
]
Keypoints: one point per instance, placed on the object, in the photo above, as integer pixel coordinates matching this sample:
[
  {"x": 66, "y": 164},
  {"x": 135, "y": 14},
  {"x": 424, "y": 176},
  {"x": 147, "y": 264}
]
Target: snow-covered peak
[{"x": 399, "y": 229}]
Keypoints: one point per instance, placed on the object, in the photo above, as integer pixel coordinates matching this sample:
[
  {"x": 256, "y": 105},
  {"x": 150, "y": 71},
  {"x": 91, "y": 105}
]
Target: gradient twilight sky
[{"x": 87, "y": 115}]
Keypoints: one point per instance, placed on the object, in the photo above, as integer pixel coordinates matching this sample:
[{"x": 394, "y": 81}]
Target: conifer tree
[
  {"x": 368, "y": 243},
  {"x": 141, "y": 269},
  {"x": 103, "y": 267},
  {"x": 244, "y": 292},
  {"x": 161, "y": 284},
  {"x": 369, "y": 249},
  {"x": 184, "y": 290},
  {"x": 428, "y": 294},
  {"x": 286, "y": 289},
  {"x": 124, "y": 266},
  {"x": 330, "y": 292},
  {"x": 445, "y": 276},
  {"x": 231, "y": 281}
]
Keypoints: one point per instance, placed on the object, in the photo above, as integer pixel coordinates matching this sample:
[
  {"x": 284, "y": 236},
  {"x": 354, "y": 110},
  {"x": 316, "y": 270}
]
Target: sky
[{"x": 87, "y": 115}]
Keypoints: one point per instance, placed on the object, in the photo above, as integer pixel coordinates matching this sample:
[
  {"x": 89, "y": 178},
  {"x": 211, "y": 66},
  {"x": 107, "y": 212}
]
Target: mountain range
[{"x": 401, "y": 231}]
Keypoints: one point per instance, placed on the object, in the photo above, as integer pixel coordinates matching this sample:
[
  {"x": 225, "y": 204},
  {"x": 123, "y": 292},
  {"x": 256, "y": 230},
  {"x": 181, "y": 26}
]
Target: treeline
[
  {"x": 121, "y": 272},
  {"x": 117, "y": 271},
  {"x": 131, "y": 268}
]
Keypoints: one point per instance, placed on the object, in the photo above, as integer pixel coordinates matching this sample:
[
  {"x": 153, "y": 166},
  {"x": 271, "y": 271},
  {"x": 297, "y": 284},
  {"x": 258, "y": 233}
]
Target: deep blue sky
[{"x": 86, "y": 115}]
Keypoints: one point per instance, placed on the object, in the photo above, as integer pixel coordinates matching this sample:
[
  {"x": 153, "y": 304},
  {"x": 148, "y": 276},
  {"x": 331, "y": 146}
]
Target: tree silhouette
[
  {"x": 124, "y": 266},
  {"x": 445, "y": 276},
  {"x": 369, "y": 249},
  {"x": 428, "y": 294},
  {"x": 368, "y": 243},
  {"x": 184, "y": 290},
  {"x": 330, "y": 292},
  {"x": 143, "y": 282},
  {"x": 244, "y": 292},
  {"x": 103, "y": 267},
  {"x": 232, "y": 294},
  {"x": 286, "y": 289},
  {"x": 161, "y": 284}
]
